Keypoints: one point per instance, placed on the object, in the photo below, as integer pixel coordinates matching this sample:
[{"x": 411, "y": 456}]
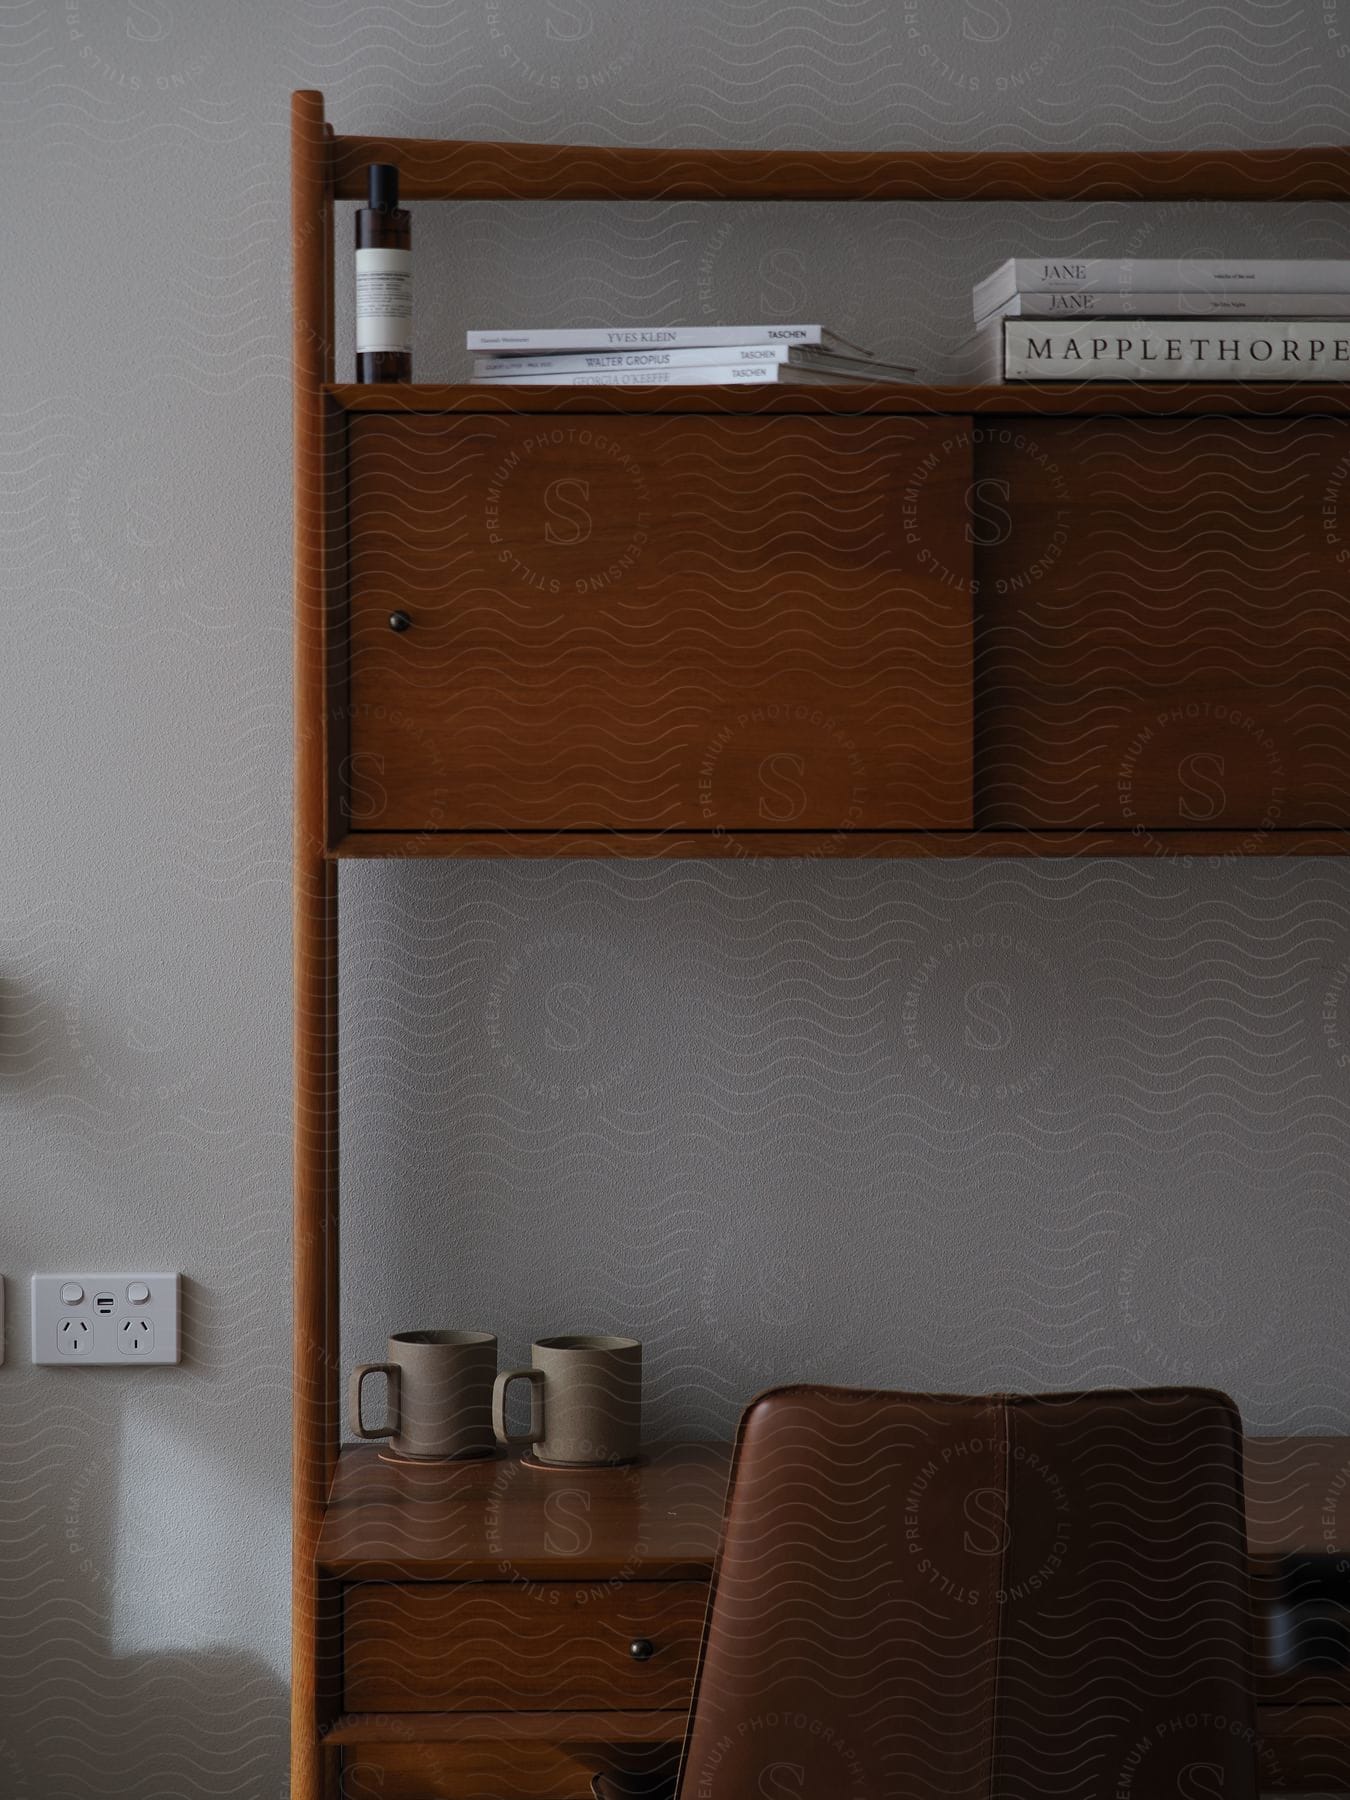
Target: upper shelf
[
  {"x": 1175, "y": 399},
  {"x": 432, "y": 169}
]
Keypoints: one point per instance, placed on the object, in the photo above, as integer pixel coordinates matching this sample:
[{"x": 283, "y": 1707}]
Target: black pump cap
[{"x": 383, "y": 187}]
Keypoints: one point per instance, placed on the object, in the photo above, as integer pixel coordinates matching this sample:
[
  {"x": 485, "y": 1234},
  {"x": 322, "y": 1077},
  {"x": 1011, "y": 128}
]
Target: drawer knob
[
  {"x": 641, "y": 1649},
  {"x": 399, "y": 621}
]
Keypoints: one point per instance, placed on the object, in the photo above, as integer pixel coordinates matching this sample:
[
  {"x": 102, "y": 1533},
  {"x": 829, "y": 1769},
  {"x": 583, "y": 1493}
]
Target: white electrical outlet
[{"x": 123, "y": 1321}]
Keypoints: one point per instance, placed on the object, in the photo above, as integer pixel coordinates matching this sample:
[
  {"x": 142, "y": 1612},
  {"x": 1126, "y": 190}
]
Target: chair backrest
[{"x": 921, "y": 1597}]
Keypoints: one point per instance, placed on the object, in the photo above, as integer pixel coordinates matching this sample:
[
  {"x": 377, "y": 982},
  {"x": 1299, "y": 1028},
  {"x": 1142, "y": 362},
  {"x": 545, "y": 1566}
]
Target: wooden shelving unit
[{"x": 1021, "y": 692}]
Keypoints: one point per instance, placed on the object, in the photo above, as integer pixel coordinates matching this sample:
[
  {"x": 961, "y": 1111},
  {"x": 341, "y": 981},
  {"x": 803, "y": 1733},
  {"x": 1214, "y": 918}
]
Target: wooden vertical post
[{"x": 315, "y": 1419}]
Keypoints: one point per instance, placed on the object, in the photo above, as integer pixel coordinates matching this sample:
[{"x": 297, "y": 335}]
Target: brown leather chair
[{"x": 924, "y": 1597}]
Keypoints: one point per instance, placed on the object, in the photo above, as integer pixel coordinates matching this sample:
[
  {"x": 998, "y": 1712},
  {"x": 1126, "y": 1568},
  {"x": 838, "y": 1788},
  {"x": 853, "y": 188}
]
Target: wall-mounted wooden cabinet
[
  {"x": 648, "y": 624},
  {"x": 717, "y": 631},
  {"x": 1163, "y": 624}
]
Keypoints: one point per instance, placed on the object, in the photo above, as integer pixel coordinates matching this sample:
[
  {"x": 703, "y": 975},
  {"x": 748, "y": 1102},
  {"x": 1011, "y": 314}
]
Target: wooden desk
[{"x": 488, "y": 1613}]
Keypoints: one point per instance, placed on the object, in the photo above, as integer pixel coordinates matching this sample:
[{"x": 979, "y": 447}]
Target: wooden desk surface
[
  {"x": 1298, "y": 1495},
  {"x": 501, "y": 1520}
]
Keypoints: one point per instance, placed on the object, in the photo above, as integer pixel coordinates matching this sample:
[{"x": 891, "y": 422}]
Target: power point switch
[{"x": 120, "y": 1321}]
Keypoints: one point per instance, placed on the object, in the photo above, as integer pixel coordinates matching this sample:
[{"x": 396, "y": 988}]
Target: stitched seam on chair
[
  {"x": 734, "y": 1480},
  {"x": 1237, "y": 1451},
  {"x": 1000, "y": 1597}
]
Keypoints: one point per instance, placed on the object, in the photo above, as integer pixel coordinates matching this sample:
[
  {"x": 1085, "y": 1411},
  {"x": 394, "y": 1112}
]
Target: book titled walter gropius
[{"x": 1166, "y": 350}]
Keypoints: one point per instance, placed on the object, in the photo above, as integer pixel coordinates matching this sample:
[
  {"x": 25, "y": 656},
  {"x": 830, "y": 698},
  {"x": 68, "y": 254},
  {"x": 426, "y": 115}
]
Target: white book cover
[
  {"x": 1177, "y": 274},
  {"x": 579, "y": 361},
  {"x": 1176, "y": 350},
  {"x": 654, "y": 337},
  {"x": 1224, "y": 302}
]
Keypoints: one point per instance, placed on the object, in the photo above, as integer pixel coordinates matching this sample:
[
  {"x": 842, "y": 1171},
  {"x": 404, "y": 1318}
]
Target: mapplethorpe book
[
  {"x": 1220, "y": 303},
  {"x": 1174, "y": 350},
  {"x": 657, "y": 337},
  {"x": 1175, "y": 274}
]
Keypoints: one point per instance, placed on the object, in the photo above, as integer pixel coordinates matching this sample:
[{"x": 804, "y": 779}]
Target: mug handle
[
  {"x": 535, "y": 1377},
  {"x": 390, "y": 1371}
]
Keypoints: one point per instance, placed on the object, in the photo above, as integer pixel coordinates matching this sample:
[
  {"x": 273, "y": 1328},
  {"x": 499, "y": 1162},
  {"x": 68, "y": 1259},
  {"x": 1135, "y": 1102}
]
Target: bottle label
[{"x": 383, "y": 300}]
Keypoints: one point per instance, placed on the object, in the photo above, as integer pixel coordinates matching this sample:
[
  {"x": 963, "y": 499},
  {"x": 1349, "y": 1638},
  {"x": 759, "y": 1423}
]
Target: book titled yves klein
[{"x": 655, "y": 337}]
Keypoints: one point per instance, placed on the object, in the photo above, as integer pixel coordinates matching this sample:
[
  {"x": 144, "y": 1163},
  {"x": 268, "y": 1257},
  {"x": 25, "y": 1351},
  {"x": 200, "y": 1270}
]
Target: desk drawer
[
  {"x": 499, "y": 1646},
  {"x": 503, "y": 1771},
  {"x": 703, "y": 624},
  {"x": 463, "y": 1772}
]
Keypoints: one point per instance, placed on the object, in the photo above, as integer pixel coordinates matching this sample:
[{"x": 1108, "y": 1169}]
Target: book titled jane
[
  {"x": 1176, "y": 350},
  {"x": 1182, "y": 274}
]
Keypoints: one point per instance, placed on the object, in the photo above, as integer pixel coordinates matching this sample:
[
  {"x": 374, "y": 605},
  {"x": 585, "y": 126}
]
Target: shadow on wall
[
  {"x": 115, "y": 1530},
  {"x": 189, "y": 1723},
  {"x": 192, "y": 1725}
]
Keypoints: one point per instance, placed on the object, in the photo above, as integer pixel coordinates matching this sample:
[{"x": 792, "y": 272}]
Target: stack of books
[
  {"x": 1099, "y": 319},
  {"x": 674, "y": 356}
]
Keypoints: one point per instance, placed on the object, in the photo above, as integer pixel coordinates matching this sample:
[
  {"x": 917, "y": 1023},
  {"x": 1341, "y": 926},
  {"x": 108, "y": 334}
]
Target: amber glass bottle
[{"x": 383, "y": 282}]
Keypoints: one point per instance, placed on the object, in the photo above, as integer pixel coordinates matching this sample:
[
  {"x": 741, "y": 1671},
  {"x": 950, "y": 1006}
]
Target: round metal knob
[
  {"x": 641, "y": 1649},
  {"x": 399, "y": 621}
]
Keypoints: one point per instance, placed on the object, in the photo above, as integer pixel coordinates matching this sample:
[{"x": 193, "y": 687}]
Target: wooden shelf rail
[
  {"x": 1067, "y": 399},
  {"x": 453, "y": 170}
]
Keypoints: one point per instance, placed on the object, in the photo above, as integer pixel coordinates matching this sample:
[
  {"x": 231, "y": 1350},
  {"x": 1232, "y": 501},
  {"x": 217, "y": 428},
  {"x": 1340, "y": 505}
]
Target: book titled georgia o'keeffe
[
  {"x": 825, "y": 373},
  {"x": 1159, "y": 275},
  {"x": 1172, "y": 350},
  {"x": 1073, "y": 303},
  {"x": 655, "y": 337}
]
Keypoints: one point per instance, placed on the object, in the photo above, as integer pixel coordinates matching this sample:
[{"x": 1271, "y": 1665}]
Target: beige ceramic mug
[
  {"x": 585, "y": 1401},
  {"x": 440, "y": 1395}
]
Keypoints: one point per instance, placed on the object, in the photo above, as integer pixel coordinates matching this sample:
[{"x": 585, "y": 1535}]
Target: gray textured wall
[{"x": 689, "y": 1100}]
